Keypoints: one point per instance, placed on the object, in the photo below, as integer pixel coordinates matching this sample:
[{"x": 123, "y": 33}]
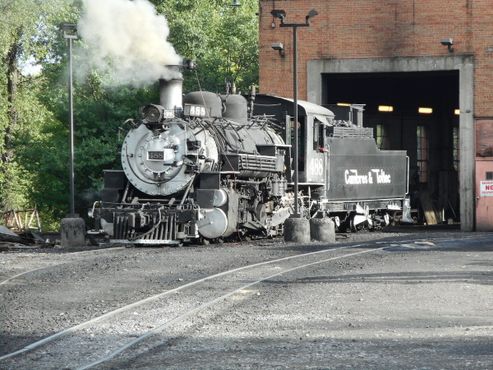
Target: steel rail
[
  {"x": 122, "y": 309},
  {"x": 108, "y": 315},
  {"x": 117, "y": 248},
  {"x": 211, "y": 303}
]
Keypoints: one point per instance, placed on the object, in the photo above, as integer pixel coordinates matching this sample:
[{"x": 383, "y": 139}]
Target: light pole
[
  {"x": 281, "y": 14},
  {"x": 70, "y": 34},
  {"x": 72, "y": 228}
]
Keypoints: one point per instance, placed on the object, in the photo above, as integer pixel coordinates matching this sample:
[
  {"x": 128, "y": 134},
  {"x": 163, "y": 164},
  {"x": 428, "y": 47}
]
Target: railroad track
[
  {"x": 130, "y": 328},
  {"x": 103, "y": 338}
]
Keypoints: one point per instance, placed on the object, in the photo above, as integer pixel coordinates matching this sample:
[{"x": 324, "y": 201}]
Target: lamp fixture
[
  {"x": 448, "y": 42},
  {"x": 312, "y": 13},
  {"x": 425, "y": 110},
  {"x": 385, "y": 108},
  {"x": 69, "y": 30},
  {"x": 279, "y": 47},
  {"x": 279, "y": 13}
]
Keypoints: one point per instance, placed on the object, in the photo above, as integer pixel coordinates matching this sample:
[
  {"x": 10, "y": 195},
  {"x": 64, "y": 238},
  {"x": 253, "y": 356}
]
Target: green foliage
[
  {"x": 27, "y": 30},
  {"x": 221, "y": 39},
  {"x": 98, "y": 115}
]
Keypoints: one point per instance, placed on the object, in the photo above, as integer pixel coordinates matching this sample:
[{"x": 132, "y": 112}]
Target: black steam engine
[{"x": 209, "y": 167}]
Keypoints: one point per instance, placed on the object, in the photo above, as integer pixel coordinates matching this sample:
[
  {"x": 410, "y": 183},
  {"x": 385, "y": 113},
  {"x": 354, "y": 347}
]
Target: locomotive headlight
[{"x": 152, "y": 113}]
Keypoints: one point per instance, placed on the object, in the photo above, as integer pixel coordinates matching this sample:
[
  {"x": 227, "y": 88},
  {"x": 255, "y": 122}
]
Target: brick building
[{"x": 422, "y": 94}]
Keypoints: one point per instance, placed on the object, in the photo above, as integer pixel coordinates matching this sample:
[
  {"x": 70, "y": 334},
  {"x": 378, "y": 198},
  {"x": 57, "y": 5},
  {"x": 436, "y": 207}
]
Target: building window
[
  {"x": 381, "y": 136},
  {"x": 422, "y": 153},
  {"x": 455, "y": 147}
]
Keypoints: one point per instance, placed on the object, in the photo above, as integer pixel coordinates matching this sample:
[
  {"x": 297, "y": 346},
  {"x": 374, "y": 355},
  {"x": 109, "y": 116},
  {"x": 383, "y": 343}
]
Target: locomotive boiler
[{"x": 207, "y": 167}]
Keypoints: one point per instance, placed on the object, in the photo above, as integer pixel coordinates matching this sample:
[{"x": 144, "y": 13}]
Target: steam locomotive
[{"x": 204, "y": 167}]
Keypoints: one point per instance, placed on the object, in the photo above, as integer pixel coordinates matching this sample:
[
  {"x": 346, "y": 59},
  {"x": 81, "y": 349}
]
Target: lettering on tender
[{"x": 375, "y": 175}]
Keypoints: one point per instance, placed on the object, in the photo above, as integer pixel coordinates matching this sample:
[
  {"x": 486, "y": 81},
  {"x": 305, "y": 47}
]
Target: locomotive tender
[{"x": 209, "y": 167}]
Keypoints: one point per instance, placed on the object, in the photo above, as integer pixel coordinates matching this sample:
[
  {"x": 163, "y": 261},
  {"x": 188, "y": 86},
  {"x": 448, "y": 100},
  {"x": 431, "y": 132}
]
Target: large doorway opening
[{"x": 417, "y": 112}]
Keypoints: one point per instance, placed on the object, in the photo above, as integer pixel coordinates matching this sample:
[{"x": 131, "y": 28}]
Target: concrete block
[
  {"x": 322, "y": 230},
  {"x": 73, "y": 232},
  {"x": 297, "y": 230}
]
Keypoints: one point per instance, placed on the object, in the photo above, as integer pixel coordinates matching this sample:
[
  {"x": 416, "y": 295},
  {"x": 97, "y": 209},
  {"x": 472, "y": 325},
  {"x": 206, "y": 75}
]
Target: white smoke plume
[{"x": 126, "y": 40}]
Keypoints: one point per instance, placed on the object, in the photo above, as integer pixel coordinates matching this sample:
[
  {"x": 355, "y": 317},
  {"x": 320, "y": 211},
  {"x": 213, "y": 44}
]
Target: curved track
[
  {"x": 132, "y": 327},
  {"x": 123, "y": 328}
]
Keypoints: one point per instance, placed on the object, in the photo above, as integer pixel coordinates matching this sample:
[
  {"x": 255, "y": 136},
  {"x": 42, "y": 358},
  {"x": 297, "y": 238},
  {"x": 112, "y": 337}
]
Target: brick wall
[{"x": 378, "y": 28}]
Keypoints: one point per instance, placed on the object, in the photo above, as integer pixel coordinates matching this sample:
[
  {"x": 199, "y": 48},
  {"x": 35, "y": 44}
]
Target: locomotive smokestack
[{"x": 170, "y": 93}]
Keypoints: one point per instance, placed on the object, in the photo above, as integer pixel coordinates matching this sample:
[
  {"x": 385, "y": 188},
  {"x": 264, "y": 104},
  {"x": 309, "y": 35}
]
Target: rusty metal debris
[
  {"x": 22, "y": 220},
  {"x": 21, "y": 229}
]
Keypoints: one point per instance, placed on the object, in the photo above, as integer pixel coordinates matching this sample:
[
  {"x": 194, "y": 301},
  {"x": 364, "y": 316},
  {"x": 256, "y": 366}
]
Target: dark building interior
[{"x": 416, "y": 112}]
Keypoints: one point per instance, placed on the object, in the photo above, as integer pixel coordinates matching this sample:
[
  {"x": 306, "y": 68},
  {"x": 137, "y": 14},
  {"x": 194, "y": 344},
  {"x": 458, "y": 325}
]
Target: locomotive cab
[{"x": 312, "y": 123}]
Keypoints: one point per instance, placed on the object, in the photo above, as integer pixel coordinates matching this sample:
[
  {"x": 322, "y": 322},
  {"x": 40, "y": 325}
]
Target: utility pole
[
  {"x": 72, "y": 228},
  {"x": 70, "y": 34},
  {"x": 281, "y": 14}
]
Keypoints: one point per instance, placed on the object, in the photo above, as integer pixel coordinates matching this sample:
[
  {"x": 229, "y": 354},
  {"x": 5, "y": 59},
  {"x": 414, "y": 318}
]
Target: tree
[
  {"x": 99, "y": 114},
  {"x": 25, "y": 38},
  {"x": 221, "y": 38},
  {"x": 33, "y": 108}
]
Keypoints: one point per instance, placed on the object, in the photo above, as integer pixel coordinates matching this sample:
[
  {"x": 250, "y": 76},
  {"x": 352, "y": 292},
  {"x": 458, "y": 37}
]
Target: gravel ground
[
  {"x": 64, "y": 288},
  {"x": 412, "y": 305}
]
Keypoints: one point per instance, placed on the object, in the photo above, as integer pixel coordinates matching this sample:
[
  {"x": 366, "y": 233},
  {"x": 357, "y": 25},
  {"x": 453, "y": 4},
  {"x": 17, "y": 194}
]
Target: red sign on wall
[{"x": 486, "y": 188}]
